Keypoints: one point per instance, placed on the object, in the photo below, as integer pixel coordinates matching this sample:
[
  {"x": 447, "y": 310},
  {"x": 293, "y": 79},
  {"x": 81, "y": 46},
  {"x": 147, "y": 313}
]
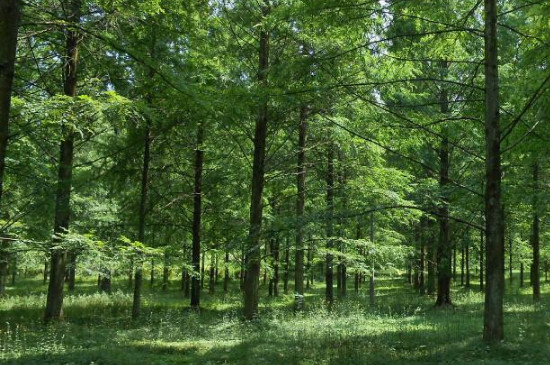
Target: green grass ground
[{"x": 403, "y": 328}]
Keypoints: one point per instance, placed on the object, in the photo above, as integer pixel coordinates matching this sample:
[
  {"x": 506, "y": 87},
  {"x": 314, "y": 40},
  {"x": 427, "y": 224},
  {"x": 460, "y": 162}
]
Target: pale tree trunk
[
  {"x": 493, "y": 326},
  {"x": 329, "y": 291},
  {"x": 54, "y": 301},
  {"x": 300, "y": 206},
  {"x": 253, "y": 255},
  {"x": 197, "y": 215}
]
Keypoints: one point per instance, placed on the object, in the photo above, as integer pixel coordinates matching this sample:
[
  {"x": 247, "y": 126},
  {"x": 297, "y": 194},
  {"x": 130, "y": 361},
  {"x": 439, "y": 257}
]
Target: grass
[{"x": 403, "y": 328}]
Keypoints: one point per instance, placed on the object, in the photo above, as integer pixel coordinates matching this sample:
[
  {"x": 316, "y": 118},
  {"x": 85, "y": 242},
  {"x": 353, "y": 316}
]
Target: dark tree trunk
[
  {"x": 196, "y": 279},
  {"x": 54, "y": 301},
  {"x": 421, "y": 269},
  {"x": 431, "y": 259},
  {"x": 212, "y": 274},
  {"x": 258, "y": 170},
  {"x": 226, "y": 277},
  {"x": 535, "y": 239},
  {"x": 203, "y": 266},
  {"x": 510, "y": 258},
  {"x": 13, "y": 270},
  {"x": 287, "y": 268},
  {"x": 300, "y": 205},
  {"x": 71, "y": 280},
  {"x": 454, "y": 262},
  {"x": 138, "y": 276},
  {"x": 166, "y": 271},
  {"x": 481, "y": 262},
  {"x": 467, "y": 248},
  {"x": 329, "y": 291},
  {"x": 152, "y": 274},
  {"x": 493, "y": 328},
  {"x": 371, "y": 282},
  {"x": 274, "y": 281},
  {"x": 444, "y": 250},
  {"x": 10, "y": 12}
]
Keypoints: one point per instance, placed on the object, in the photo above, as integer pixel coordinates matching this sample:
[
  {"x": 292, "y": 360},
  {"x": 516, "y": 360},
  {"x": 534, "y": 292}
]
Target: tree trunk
[
  {"x": 287, "y": 267},
  {"x": 226, "y": 277},
  {"x": 422, "y": 264},
  {"x": 138, "y": 276},
  {"x": 197, "y": 215},
  {"x": 300, "y": 205},
  {"x": 258, "y": 170},
  {"x": 444, "y": 250},
  {"x": 212, "y": 274},
  {"x": 431, "y": 259},
  {"x": 493, "y": 328},
  {"x": 467, "y": 248},
  {"x": 462, "y": 266},
  {"x": 10, "y": 12},
  {"x": 535, "y": 239},
  {"x": 54, "y": 301},
  {"x": 72, "y": 271},
  {"x": 521, "y": 275},
  {"x": 329, "y": 291},
  {"x": 203, "y": 266},
  {"x": 481, "y": 261},
  {"x": 510, "y": 258},
  {"x": 166, "y": 271},
  {"x": 152, "y": 274}
]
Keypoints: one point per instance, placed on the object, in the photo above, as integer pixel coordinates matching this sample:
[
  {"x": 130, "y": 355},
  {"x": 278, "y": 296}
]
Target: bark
[
  {"x": 444, "y": 249},
  {"x": 510, "y": 258},
  {"x": 329, "y": 291},
  {"x": 10, "y": 11},
  {"x": 62, "y": 215},
  {"x": 274, "y": 281},
  {"x": 493, "y": 328},
  {"x": 521, "y": 275},
  {"x": 300, "y": 203},
  {"x": 197, "y": 215},
  {"x": 467, "y": 248},
  {"x": 226, "y": 277},
  {"x": 253, "y": 256},
  {"x": 422, "y": 261},
  {"x": 3, "y": 266},
  {"x": 287, "y": 267},
  {"x": 481, "y": 262},
  {"x": 371, "y": 282},
  {"x": 138, "y": 276},
  {"x": 431, "y": 260},
  {"x": 152, "y": 274},
  {"x": 203, "y": 259},
  {"x": 462, "y": 265},
  {"x": 166, "y": 271},
  {"x": 535, "y": 239},
  {"x": 46, "y": 271},
  {"x": 72, "y": 271},
  {"x": 212, "y": 274}
]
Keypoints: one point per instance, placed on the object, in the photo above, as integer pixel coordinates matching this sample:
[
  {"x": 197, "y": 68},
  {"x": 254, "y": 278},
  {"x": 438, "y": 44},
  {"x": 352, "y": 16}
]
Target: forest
[{"x": 274, "y": 181}]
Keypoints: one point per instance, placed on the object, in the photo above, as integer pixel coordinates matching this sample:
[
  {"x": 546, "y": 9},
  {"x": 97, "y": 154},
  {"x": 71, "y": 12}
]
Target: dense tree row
[{"x": 283, "y": 141}]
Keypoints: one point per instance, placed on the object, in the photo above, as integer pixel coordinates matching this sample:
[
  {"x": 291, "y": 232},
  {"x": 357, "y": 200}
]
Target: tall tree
[
  {"x": 253, "y": 252},
  {"x": 54, "y": 303},
  {"x": 493, "y": 328},
  {"x": 10, "y": 12}
]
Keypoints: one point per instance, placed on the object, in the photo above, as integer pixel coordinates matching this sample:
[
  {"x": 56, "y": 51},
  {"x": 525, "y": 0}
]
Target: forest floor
[{"x": 402, "y": 327}]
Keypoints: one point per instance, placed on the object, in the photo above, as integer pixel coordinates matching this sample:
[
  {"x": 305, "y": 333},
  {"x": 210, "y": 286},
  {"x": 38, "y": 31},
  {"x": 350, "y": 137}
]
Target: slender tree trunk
[
  {"x": 467, "y": 248},
  {"x": 481, "y": 261},
  {"x": 422, "y": 264},
  {"x": 72, "y": 271},
  {"x": 10, "y": 11},
  {"x": 462, "y": 262},
  {"x": 3, "y": 266},
  {"x": 54, "y": 301},
  {"x": 166, "y": 271},
  {"x": 444, "y": 250},
  {"x": 454, "y": 262},
  {"x": 329, "y": 291},
  {"x": 226, "y": 277},
  {"x": 203, "y": 267},
  {"x": 300, "y": 206},
  {"x": 258, "y": 169},
  {"x": 371, "y": 283},
  {"x": 535, "y": 239},
  {"x": 510, "y": 259},
  {"x": 431, "y": 259},
  {"x": 138, "y": 275},
  {"x": 493, "y": 328},
  {"x": 521, "y": 275},
  {"x": 152, "y": 274},
  {"x": 196, "y": 279},
  {"x": 287, "y": 268},
  {"x": 212, "y": 274}
]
